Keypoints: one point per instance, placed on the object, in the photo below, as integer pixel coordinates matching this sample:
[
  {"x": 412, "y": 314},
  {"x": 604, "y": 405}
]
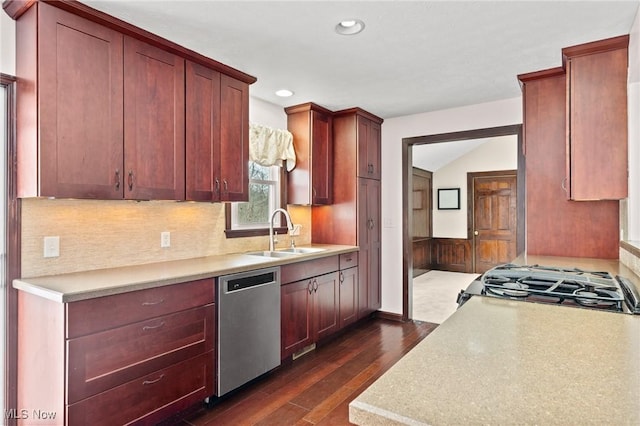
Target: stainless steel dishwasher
[{"x": 248, "y": 326}]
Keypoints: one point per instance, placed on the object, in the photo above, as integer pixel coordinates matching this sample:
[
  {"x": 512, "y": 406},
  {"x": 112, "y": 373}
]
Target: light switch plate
[{"x": 51, "y": 246}]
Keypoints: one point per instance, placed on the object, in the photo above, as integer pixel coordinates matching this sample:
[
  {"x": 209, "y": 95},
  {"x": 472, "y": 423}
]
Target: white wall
[
  {"x": 266, "y": 113},
  {"x": 7, "y": 44},
  {"x": 492, "y": 114},
  {"x": 496, "y": 154}
]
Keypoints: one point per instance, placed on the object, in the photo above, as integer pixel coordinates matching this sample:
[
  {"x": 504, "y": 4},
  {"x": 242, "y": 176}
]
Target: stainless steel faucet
[{"x": 289, "y": 226}]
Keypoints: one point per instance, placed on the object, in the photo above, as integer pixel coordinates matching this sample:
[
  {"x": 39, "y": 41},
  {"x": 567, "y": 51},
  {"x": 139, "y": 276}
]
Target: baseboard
[{"x": 389, "y": 316}]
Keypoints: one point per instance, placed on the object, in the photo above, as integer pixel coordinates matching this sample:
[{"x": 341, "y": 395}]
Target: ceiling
[{"x": 412, "y": 57}]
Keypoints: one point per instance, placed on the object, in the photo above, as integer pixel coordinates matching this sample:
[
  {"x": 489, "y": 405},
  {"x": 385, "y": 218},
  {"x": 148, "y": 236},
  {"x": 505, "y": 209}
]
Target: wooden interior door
[{"x": 494, "y": 218}]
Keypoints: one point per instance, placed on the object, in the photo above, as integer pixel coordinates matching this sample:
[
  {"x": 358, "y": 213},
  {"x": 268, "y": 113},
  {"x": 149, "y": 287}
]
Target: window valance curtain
[{"x": 271, "y": 147}]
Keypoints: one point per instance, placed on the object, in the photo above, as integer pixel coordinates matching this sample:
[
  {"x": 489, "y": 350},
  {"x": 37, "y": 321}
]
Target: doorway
[{"x": 407, "y": 199}]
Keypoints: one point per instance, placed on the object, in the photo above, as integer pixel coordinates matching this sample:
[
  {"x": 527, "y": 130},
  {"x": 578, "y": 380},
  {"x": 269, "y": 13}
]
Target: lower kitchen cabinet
[
  {"x": 348, "y": 306},
  {"x": 309, "y": 311},
  {"x": 148, "y": 399},
  {"x": 150, "y": 356}
]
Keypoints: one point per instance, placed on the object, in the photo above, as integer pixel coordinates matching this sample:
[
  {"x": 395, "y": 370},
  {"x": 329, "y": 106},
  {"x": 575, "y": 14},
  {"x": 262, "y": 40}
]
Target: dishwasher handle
[{"x": 242, "y": 283}]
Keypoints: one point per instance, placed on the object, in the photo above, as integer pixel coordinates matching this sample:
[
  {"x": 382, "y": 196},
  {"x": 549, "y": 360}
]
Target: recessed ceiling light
[
  {"x": 284, "y": 93},
  {"x": 350, "y": 27}
]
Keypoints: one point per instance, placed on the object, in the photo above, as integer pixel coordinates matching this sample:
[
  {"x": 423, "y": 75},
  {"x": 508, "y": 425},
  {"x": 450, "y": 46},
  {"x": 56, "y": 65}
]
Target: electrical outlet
[
  {"x": 51, "y": 246},
  {"x": 165, "y": 239}
]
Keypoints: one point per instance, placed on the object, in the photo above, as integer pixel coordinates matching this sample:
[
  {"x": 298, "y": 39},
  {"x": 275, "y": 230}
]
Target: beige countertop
[
  {"x": 104, "y": 282},
  {"x": 498, "y": 361}
]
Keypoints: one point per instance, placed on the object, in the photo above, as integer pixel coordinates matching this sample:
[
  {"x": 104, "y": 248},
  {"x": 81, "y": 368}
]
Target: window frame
[{"x": 255, "y": 232}]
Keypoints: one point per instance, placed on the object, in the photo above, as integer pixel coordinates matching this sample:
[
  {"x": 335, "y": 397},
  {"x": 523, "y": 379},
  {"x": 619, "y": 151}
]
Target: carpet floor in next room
[
  {"x": 317, "y": 388},
  {"x": 435, "y": 294}
]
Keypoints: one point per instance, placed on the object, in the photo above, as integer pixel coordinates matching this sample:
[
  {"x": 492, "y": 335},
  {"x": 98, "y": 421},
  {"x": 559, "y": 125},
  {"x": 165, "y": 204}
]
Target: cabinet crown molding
[
  {"x": 16, "y": 8},
  {"x": 613, "y": 43},
  {"x": 308, "y": 106},
  {"x": 361, "y": 112}
]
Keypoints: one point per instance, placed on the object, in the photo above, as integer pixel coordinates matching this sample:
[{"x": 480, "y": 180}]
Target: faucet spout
[{"x": 289, "y": 225}]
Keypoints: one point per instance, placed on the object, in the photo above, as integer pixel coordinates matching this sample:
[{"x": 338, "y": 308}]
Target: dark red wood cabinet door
[
  {"x": 373, "y": 149},
  {"x": 375, "y": 246},
  {"x": 321, "y": 158},
  {"x": 326, "y": 304},
  {"x": 598, "y": 126},
  {"x": 81, "y": 136},
  {"x": 154, "y": 130},
  {"x": 368, "y": 148},
  {"x": 348, "y": 309},
  {"x": 202, "y": 133},
  {"x": 234, "y": 140},
  {"x": 296, "y": 309}
]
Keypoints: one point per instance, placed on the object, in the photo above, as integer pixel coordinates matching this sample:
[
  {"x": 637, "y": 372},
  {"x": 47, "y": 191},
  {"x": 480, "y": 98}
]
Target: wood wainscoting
[{"x": 451, "y": 254}]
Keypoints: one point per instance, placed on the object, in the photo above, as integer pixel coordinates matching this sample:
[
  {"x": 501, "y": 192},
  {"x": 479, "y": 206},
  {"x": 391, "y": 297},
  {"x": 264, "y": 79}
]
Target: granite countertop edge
[{"x": 77, "y": 286}]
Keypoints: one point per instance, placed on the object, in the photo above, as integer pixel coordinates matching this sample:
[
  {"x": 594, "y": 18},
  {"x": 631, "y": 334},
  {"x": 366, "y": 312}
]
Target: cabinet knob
[{"x": 476, "y": 233}]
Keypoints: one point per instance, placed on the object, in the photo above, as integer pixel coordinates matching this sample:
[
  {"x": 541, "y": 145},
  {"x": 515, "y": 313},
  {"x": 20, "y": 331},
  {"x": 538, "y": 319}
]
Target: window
[{"x": 252, "y": 218}]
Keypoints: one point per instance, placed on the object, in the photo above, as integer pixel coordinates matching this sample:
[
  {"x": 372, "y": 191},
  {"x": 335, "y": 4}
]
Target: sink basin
[
  {"x": 287, "y": 252},
  {"x": 302, "y": 250},
  {"x": 268, "y": 253}
]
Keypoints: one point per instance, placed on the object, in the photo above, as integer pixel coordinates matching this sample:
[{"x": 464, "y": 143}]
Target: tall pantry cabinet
[{"x": 354, "y": 216}]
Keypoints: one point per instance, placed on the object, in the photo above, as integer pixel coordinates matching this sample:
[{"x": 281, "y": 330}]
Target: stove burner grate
[{"x": 553, "y": 285}]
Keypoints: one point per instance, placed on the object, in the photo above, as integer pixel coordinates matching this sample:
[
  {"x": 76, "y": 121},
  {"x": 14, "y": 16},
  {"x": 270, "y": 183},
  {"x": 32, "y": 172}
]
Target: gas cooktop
[{"x": 557, "y": 285}]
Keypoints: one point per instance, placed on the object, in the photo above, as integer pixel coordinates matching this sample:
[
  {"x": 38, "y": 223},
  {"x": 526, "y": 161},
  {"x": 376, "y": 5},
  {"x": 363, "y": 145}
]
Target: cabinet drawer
[
  {"x": 348, "y": 260},
  {"x": 103, "y": 313},
  {"x": 311, "y": 268},
  {"x": 150, "y": 398},
  {"x": 104, "y": 360}
]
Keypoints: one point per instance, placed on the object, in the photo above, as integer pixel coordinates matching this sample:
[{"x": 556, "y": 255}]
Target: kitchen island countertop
[
  {"x": 497, "y": 361},
  {"x": 105, "y": 282}
]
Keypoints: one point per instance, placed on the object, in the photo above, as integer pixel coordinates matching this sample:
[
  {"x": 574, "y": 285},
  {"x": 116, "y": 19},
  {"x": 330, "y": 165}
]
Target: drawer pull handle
[
  {"x": 152, "y": 327},
  {"x": 153, "y": 303},
  {"x": 151, "y": 382}
]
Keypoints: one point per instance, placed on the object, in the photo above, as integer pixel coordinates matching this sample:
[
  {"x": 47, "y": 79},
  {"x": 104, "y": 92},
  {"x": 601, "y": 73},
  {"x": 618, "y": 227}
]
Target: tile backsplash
[{"x": 109, "y": 234}]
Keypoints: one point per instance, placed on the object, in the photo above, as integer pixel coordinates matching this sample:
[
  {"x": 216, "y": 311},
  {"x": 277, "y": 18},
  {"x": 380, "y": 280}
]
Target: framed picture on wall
[{"x": 449, "y": 199}]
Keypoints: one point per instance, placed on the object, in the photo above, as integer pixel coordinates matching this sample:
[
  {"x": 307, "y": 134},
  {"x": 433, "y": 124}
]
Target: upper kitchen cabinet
[
  {"x": 153, "y": 122},
  {"x": 101, "y": 108},
  {"x": 70, "y": 106},
  {"x": 368, "y": 136},
  {"x": 557, "y": 226},
  {"x": 597, "y": 119},
  {"x": 311, "y": 182},
  {"x": 217, "y": 136}
]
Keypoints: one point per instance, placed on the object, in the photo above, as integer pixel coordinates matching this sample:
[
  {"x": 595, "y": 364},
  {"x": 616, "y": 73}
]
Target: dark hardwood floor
[{"x": 318, "y": 387}]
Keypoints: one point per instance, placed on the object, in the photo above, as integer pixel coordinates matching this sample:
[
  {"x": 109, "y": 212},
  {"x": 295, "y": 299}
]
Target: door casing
[{"x": 407, "y": 194}]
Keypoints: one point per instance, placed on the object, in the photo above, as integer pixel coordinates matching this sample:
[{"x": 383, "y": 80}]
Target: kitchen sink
[
  {"x": 302, "y": 250},
  {"x": 287, "y": 252},
  {"x": 268, "y": 253}
]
